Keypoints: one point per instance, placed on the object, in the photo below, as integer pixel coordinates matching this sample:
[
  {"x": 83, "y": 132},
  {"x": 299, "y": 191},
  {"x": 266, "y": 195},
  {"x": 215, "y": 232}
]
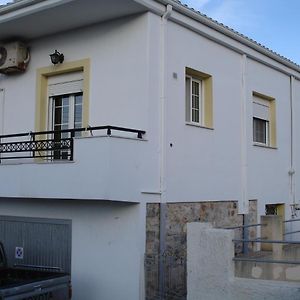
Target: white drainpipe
[
  {"x": 292, "y": 149},
  {"x": 244, "y": 207},
  {"x": 162, "y": 247}
]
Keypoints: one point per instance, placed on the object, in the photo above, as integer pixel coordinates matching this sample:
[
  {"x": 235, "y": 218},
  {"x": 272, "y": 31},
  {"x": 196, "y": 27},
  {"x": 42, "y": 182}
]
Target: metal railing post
[
  {"x": 246, "y": 233},
  {"x": 33, "y": 140},
  {"x": 72, "y": 149},
  {"x": 72, "y": 145}
]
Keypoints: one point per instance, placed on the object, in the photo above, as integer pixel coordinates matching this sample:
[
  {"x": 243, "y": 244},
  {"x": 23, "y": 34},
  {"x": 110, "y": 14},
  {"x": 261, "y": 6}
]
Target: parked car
[{"x": 32, "y": 282}]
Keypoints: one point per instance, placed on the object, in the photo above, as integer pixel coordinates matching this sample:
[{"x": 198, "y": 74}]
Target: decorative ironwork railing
[{"x": 50, "y": 145}]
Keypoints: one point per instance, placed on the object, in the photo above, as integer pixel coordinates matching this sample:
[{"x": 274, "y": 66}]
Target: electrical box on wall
[{"x": 14, "y": 58}]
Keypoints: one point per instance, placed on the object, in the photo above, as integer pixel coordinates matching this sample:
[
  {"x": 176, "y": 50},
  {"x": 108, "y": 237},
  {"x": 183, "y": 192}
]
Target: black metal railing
[{"x": 50, "y": 145}]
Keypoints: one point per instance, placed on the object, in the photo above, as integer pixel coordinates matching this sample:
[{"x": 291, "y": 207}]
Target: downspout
[
  {"x": 244, "y": 207},
  {"x": 2, "y": 99},
  {"x": 163, "y": 206},
  {"x": 292, "y": 151}
]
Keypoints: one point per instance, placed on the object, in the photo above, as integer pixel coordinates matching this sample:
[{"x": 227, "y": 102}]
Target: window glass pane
[
  {"x": 57, "y": 115},
  {"x": 78, "y": 99},
  {"x": 78, "y": 113},
  {"x": 65, "y": 101},
  {"x": 57, "y": 101},
  {"x": 65, "y": 116},
  {"x": 195, "y": 89},
  {"x": 195, "y": 104},
  {"x": 187, "y": 99},
  {"x": 260, "y": 131}
]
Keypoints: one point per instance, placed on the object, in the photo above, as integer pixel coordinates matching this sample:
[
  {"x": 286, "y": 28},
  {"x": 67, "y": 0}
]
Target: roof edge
[
  {"x": 10, "y": 7},
  {"x": 203, "y": 19}
]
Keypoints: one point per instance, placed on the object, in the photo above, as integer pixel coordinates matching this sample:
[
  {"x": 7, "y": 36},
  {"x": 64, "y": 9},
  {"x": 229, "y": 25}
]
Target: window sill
[
  {"x": 198, "y": 125},
  {"x": 264, "y": 146}
]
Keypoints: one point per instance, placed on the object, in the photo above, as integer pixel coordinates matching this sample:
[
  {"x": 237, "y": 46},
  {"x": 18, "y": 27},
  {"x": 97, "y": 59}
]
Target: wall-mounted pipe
[
  {"x": 163, "y": 206},
  {"x": 291, "y": 172},
  {"x": 244, "y": 207}
]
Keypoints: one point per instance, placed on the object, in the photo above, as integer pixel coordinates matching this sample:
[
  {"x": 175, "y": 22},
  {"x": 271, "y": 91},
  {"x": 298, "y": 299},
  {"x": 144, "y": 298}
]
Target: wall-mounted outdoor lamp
[{"x": 57, "y": 57}]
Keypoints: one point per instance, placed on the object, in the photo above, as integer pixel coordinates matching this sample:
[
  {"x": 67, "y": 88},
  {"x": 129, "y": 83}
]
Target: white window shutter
[
  {"x": 69, "y": 83},
  {"x": 261, "y": 109}
]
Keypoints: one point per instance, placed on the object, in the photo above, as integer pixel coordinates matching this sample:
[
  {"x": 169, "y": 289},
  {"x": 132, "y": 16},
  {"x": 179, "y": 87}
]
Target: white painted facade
[{"x": 138, "y": 54}]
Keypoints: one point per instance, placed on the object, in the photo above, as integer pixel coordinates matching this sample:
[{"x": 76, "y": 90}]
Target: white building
[{"x": 216, "y": 114}]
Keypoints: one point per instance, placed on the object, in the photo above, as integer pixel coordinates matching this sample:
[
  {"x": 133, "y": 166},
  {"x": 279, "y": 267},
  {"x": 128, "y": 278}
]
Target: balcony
[{"x": 94, "y": 163}]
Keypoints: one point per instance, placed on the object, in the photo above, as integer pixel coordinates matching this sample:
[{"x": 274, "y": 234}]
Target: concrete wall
[
  {"x": 177, "y": 216},
  {"x": 211, "y": 270},
  {"x": 107, "y": 244},
  {"x": 92, "y": 174}
]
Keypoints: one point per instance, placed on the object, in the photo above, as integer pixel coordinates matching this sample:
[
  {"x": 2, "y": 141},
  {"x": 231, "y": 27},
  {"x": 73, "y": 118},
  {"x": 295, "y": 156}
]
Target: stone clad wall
[{"x": 219, "y": 213}]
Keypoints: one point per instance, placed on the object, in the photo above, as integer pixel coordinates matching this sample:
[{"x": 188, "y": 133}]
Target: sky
[{"x": 272, "y": 23}]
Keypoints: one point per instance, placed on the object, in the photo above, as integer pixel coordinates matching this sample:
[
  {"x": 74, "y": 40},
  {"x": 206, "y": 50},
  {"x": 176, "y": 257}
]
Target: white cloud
[{"x": 4, "y": 1}]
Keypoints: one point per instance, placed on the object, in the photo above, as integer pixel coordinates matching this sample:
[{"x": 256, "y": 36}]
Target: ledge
[
  {"x": 264, "y": 146},
  {"x": 198, "y": 125}
]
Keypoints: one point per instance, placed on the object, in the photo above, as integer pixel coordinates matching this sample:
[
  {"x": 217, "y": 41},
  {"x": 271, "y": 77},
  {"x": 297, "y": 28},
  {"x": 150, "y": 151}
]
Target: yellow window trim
[
  {"x": 43, "y": 74},
  {"x": 208, "y": 94},
  {"x": 272, "y": 121}
]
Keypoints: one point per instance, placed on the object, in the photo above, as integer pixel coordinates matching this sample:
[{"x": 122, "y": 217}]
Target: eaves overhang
[
  {"x": 229, "y": 32},
  {"x": 31, "y": 19}
]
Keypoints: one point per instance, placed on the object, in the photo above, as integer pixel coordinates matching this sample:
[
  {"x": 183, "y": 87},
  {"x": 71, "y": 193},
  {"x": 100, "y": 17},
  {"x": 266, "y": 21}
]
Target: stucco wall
[
  {"x": 107, "y": 244},
  {"x": 124, "y": 59},
  {"x": 221, "y": 164},
  {"x": 211, "y": 270}
]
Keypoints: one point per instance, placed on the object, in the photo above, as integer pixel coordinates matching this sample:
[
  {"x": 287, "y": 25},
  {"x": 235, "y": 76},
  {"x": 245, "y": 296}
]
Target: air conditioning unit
[{"x": 14, "y": 57}]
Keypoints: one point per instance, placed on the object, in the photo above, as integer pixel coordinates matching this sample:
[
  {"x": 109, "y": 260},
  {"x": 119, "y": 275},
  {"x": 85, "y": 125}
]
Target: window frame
[
  {"x": 43, "y": 74},
  {"x": 270, "y": 102},
  {"x": 71, "y": 113},
  {"x": 205, "y": 100},
  {"x": 266, "y": 132},
  {"x": 200, "y": 100}
]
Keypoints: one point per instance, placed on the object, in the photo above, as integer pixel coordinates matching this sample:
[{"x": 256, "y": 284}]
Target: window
[
  {"x": 264, "y": 120},
  {"x": 198, "y": 98},
  {"x": 261, "y": 131},
  {"x": 194, "y": 98},
  {"x": 275, "y": 209},
  {"x": 45, "y": 78},
  {"x": 65, "y": 107}
]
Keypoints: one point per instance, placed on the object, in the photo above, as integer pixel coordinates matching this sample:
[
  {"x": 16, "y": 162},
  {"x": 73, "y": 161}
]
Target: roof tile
[{"x": 238, "y": 33}]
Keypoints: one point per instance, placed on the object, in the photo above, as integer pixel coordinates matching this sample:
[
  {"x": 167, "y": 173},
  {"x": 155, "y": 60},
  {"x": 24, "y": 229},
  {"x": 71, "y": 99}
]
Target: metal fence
[
  {"x": 174, "y": 280},
  {"x": 291, "y": 232},
  {"x": 263, "y": 240}
]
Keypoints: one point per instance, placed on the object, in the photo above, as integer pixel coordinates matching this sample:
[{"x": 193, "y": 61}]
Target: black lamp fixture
[{"x": 57, "y": 57}]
